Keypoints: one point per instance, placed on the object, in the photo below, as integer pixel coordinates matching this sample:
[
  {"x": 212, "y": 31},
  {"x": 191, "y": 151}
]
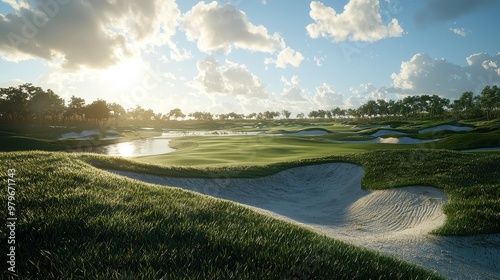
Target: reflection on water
[{"x": 136, "y": 148}]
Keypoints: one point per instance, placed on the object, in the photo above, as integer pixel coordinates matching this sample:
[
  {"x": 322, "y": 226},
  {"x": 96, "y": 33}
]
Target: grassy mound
[
  {"x": 469, "y": 179},
  {"x": 76, "y": 221}
]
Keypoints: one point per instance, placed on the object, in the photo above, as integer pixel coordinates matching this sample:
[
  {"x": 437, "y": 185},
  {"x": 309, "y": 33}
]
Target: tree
[
  {"x": 300, "y": 116},
  {"x": 487, "y": 100},
  {"x": 97, "y": 111},
  {"x": 286, "y": 114},
  {"x": 437, "y": 106},
  {"x": 117, "y": 112},
  {"x": 14, "y": 105},
  {"x": 43, "y": 103},
  {"x": 382, "y": 107},
  {"x": 205, "y": 116},
  {"x": 75, "y": 108},
  {"x": 252, "y": 116},
  {"x": 176, "y": 113}
]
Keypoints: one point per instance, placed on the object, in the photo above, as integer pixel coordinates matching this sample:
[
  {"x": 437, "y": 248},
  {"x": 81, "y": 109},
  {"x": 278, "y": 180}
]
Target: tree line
[{"x": 34, "y": 105}]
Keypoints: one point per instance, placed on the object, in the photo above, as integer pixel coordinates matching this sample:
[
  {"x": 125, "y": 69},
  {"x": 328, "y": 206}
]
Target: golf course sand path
[{"x": 328, "y": 199}]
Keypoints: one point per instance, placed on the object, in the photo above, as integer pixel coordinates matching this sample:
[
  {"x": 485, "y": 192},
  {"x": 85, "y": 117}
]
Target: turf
[{"x": 76, "y": 221}]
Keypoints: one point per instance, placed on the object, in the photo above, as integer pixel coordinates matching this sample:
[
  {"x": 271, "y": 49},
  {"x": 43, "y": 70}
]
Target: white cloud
[
  {"x": 286, "y": 56},
  {"x": 425, "y": 75},
  {"x": 294, "y": 80},
  {"x": 17, "y": 4},
  {"x": 459, "y": 31},
  {"x": 319, "y": 60},
  {"x": 293, "y": 93},
  {"x": 230, "y": 79},
  {"x": 360, "y": 21},
  {"x": 85, "y": 33},
  {"x": 327, "y": 98},
  {"x": 219, "y": 28}
]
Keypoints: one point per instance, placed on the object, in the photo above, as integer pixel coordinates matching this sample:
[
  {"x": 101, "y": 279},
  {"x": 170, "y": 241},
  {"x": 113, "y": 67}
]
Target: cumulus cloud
[
  {"x": 294, "y": 80},
  {"x": 230, "y": 79},
  {"x": 360, "y": 21},
  {"x": 219, "y": 28},
  {"x": 443, "y": 10},
  {"x": 85, "y": 33},
  {"x": 293, "y": 93},
  {"x": 327, "y": 98},
  {"x": 286, "y": 56},
  {"x": 425, "y": 75}
]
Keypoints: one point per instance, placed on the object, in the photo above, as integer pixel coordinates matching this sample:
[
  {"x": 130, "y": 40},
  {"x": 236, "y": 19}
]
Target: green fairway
[{"x": 250, "y": 150}]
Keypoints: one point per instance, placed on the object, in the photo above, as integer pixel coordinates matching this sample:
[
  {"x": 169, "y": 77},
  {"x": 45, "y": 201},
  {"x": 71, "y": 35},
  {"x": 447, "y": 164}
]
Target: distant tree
[
  {"x": 487, "y": 101},
  {"x": 43, "y": 103},
  {"x": 286, "y": 114},
  {"x": 235, "y": 116},
  {"x": 329, "y": 114},
  {"x": 97, "y": 111},
  {"x": 75, "y": 108},
  {"x": 313, "y": 114},
  {"x": 300, "y": 116},
  {"x": 336, "y": 113},
  {"x": 268, "y": 115},
  {"x": 382, "y": 107},
  {"x": 117, "y": 112},
  {"x": 223, "y": 117},
  {"x": 14, "y": 105},
  {"x": 176, "y": 114},
  {"x": 251, "y": 116},
  {"x": 437, "y": 106}
]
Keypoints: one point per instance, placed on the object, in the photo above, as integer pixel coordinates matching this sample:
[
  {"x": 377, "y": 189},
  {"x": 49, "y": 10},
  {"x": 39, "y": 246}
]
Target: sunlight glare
[
  {"x": 125, "y": 149},
  {"x": 124, "y": 74}
]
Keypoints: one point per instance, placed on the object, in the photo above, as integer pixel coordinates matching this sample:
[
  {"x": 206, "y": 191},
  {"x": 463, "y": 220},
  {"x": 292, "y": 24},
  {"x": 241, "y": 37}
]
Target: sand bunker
[
  {"x": 384, "y": 132},
  {"x": 445, "y": 127},
  {"x": 389, "y": 140},
  {"x": 328, "y": 198}
]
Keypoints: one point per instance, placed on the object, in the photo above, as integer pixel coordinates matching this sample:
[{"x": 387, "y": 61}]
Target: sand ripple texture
[{"x": 329, "y": 199}]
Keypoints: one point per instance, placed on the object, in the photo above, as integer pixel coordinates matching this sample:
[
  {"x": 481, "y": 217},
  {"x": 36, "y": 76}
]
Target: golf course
[{"x": 287, "y": 199}]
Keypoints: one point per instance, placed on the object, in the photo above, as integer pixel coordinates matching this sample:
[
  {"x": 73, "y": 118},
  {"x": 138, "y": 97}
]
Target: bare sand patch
[
  {"x": 389, "y": 140},
  {"x": 384, "y": 132},
  {"x": 328, "y": 199}
]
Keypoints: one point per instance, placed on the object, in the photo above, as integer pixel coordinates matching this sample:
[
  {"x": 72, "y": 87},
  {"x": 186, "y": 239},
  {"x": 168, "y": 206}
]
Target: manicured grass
[
  {"x": 256, "y": 150},
  {"x": 76, "y": 221},
  {"x": 463, "y": 176}
]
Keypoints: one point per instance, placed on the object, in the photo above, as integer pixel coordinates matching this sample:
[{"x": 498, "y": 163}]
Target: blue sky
[{"x": 250, "y": 55}]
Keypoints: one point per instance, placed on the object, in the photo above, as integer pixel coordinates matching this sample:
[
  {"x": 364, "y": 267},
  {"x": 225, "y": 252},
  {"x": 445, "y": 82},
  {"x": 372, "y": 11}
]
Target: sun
[{"x": 123, "y": 75}]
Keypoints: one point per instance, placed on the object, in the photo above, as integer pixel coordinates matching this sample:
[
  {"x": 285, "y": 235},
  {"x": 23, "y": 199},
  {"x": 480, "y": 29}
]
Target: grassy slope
[
  {"x": 76, "y": 221},
  {"x": 469, "y": 179}
]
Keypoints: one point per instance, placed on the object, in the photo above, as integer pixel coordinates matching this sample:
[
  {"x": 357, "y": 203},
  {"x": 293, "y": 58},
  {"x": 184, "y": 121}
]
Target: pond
[
  {"x": 151, "y": 146},
  {"x": 135, "y": 148}
]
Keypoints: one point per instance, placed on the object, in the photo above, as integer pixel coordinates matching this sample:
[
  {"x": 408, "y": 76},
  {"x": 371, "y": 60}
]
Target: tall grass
[{"x": 76, "y": 221}]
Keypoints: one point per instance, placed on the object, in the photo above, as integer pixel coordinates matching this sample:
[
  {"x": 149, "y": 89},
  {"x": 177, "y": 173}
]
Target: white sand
[
  {"x": 384, "y": 132},
  {"x": 389, "y": 140},
  {"x": 328, "y": 199},
  {"x": 446, "y": 127}
]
